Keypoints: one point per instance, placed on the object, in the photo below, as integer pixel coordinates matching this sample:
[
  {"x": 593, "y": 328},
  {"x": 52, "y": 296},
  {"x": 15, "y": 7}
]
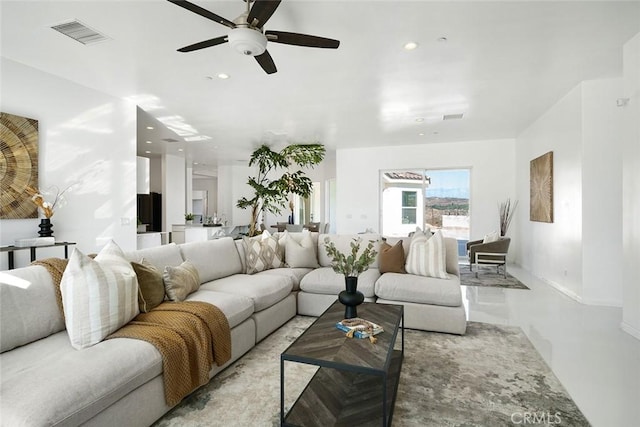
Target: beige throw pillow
[
  {"x": 99, "y": 295},
  {"x": 491, "y": 237},
  {"x": 427, "y": 256},
  {"x": 303, "y": 254},
  {"x": 150, "y": 285},
  {"x": 181, "y": 281}
]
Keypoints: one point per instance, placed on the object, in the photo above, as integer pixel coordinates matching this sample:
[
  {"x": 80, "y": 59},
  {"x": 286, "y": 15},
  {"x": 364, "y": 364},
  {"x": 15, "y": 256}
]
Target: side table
[{"x": 11, "y": 249}]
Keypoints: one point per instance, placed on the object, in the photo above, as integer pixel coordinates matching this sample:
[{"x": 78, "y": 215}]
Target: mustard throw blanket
[{"x": 191, "y": 336}]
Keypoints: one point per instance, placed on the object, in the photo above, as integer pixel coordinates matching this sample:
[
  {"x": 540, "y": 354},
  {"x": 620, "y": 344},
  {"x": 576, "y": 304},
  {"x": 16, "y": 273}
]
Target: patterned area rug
[
  {"x": 490, "y": 377},
  {"x": 487, "y": 276}
]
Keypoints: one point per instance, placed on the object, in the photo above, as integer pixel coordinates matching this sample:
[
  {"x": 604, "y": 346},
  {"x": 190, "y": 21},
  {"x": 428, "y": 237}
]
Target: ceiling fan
[{"x": 247, "y": 36}]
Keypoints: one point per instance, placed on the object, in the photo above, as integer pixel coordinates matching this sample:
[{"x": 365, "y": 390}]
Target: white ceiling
[{"x": 503, "y": 64}]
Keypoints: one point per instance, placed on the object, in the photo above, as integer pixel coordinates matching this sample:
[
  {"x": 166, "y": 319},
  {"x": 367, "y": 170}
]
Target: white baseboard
[
  {"x": 602, "y": 302},
  {"x": 634, "y": 332},
  {"x": 576, "y": 297},
  {"x": 562, "y": 290}
]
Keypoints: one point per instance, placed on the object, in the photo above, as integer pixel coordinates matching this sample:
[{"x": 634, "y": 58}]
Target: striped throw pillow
[
  {"x": 427, "y": 256},
  {"x": 99, "y": 295}
]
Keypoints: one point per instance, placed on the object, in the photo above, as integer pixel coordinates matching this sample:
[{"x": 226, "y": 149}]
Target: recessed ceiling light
[
  {"x": 410, "y": 45},
  {"x": 148, "y": 152},
  {"x": 148, "y": 142},
  {"x": 420, "y": 119},
  {"x": 223, "y": 76},
  {"x": 149, "y": 127},
  {"x": 421, "y": 134},
  {"x": 195, "y": 163},
  {"x": 180, "y": 149}
]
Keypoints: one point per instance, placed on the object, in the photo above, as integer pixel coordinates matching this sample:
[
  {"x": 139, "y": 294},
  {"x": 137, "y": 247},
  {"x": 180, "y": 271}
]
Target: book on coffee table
[{"x": 359, "y": 334}]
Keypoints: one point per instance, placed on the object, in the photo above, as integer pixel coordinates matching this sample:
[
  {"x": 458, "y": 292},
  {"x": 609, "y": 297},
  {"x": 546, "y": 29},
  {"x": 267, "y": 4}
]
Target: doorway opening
[{"x": 421, "y": 198}]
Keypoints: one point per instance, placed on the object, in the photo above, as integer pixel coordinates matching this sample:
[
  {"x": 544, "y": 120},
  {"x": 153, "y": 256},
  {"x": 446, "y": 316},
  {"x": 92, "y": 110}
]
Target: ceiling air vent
[
  {"x": 80, "y": 32},
  {"x": 452, "y": 116}
]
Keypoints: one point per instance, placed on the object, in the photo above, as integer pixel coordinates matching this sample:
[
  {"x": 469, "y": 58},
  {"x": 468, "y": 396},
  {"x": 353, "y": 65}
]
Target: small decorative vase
[
  {"x": 45, "y": 228},
  {"x": 351, "y": 297}
]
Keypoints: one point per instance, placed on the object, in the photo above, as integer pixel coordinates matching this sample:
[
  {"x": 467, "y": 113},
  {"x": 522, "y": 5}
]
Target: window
[{"x": 409, "y": 207}]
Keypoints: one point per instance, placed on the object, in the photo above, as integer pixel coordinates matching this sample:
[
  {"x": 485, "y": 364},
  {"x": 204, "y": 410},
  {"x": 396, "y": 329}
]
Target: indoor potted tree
[{"x": 271, "y": 195}]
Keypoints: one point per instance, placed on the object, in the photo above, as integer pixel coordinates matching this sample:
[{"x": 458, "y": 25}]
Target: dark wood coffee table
[{"x": 357, "y": 381}]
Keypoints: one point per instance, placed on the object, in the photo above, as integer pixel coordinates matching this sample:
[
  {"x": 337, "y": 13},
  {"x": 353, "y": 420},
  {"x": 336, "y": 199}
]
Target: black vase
[
  {"x": 351, "y": 297},
  {"x": 45, "y": 228}
]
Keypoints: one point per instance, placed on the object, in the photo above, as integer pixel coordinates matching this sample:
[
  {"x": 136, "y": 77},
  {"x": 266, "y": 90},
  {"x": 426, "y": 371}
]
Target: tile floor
[{"x": 594, "y": 359}]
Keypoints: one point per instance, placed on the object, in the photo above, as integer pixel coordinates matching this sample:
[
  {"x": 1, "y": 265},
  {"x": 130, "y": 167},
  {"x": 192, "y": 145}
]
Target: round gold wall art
[
  {"x": 18, "y": 166},
  {"x": 541, "y": 188}
]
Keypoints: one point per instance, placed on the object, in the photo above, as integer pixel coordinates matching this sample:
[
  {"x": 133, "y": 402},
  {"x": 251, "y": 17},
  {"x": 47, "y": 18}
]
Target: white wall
[
  {"x": 631, "y": 189},
  {"x": 580, "y": 252},
  {"x": 232, "y": 184},
  {"x": 173, "y": 191},
  {"x": 357, "y": 179},
  {"x": 553, "y": 251},
  {"x": 602, "y": 192},
  {"x": 87, "y": 138}
]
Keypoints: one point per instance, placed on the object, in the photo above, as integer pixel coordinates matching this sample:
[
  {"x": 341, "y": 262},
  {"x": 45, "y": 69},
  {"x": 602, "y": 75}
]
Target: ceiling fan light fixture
[{"x": 247, "y": 41}]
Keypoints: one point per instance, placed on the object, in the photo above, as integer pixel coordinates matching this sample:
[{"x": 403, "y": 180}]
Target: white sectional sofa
[{"x": 44, "y": 381}]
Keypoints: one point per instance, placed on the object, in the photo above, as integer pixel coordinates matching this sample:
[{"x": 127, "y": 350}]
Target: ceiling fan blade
[
  {"x": 203, "y": 44},
  {"x": 301, "y": 39},
  {"x": 262, "y": 11},
  {"x": 266, "y": 62},
  {"x": 203, "y": 12}
]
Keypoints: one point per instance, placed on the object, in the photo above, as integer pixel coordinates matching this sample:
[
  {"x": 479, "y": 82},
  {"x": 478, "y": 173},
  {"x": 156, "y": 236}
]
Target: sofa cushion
[
  {"x": 262, "y": 253},
  {"x": 295, "y": 274},
  {"x": 28, "y": 307},
  {"x": 264, "y": 290},
  {"x": 427, "y": 256},
  {"x": 180, "y": 281},
  {"x": 213, "y": 258},
  {"x": 49, "y": 383},
  {"x": 324, "y": 280},
  {"x": 419, "y": 289},
  {"x": 150, "y": 285},
  {"x": 236, "y": 308},
  {"x": 159, "y": 256},
  {"x": 392, "y": 258},
  {"x": 343, "y": 244},
  {"x": 98, "y": 295}
]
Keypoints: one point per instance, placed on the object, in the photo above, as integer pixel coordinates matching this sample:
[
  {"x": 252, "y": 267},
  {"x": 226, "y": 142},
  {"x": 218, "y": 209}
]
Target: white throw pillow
[
  {"x": 262, "y": 253},
  {"x": 491, "y": 237},
  {"x": 303, "y": 254},
  {"x": 427, "y": 256},
  {"x": 99, "y": 295}
]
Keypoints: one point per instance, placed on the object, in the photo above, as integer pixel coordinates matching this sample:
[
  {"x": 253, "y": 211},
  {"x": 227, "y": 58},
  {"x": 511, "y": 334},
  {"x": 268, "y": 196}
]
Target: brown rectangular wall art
[
  {"x": 541, "y": 188},
  {"x": 18, "y": 166}
]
